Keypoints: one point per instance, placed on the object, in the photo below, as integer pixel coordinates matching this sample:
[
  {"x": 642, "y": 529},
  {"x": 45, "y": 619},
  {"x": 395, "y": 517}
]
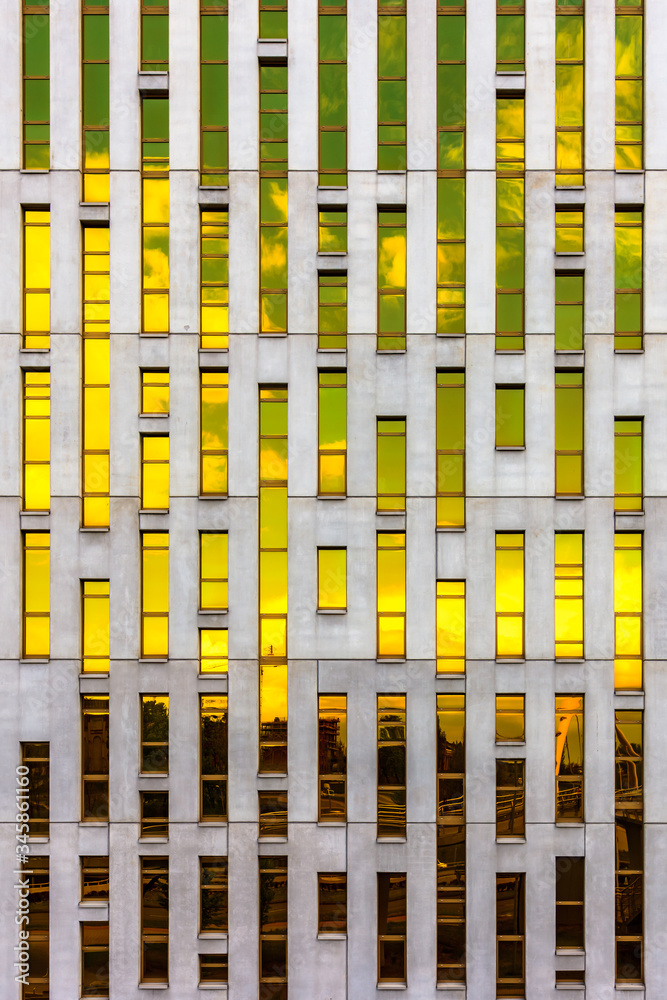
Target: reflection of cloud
[
  {"x": 273, "y": 250},
  {"x": 629, "y": 46},
  {"x": 392, "y": 262},
  {"x": 156, "y": 264}
]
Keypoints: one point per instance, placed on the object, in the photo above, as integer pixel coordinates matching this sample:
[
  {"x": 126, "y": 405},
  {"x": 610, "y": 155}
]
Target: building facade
[{"x": 333, "y": 627}]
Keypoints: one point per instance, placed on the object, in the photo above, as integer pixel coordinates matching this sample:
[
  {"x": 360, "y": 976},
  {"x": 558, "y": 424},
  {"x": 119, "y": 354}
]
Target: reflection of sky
[
  {"x": 392, "y": 261},
  {"x": 627, "y": 580},
  {"x": 273, "y": 693}
]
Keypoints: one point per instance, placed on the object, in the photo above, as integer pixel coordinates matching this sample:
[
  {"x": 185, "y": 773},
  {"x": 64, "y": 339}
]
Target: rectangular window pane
[
  {"x": 510, "y": 222},
  {"x": 36, "y": 441},
  {"x": 35, "y": 757},
  {"x": 214, "y": 278},
  {"x": 629, "y": 283},
  {"x": 569, "y": 595},
  {"x": 332, "y": 433},
  {"x": 628, "y": 612},
  {"x": 37, "y": 256},
  {"x": 450, "y": 449},
  {"x": 392, "y": 927},
  {"x": 213, "y": 758},
  {"x": 392, "y": 280},
  {"x": 95, "y": 758},
  {"x": 391, "y": 595},
  {"x": 509, "y": 596},
  {"x": 332, "y": 758},
  {"x": 391, "y": 750},
  {"x": 36, "y": 594},
  {"x": 214, "y": 107},
  {"x": 629, "y": 847},
  {"x": 214, "y": 433},
  {"x": 450, "y": 626},
  {"x": 155, "y": 200},
  {"x": 569, "y": 433},
  {"x": 569, "y": 759},
  {"x": 154, "y": 595}
]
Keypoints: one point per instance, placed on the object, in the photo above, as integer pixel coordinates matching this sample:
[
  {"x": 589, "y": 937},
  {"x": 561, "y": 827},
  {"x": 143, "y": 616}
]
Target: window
[
  {"x": 212, "y": 970},
  {"x": 215, "y": 275},
  {"x": 273, "y": 579},
  {"x": 451, "y": 758},
  {"x": 155, "y": 35},
  {"x": 569, "y": 433},
  {"x": 95, "y": 104},
  {"x": 629, "y": 847},
  {"x": 569, "y": 230},
  {"x": 38, "y": 914},
  {"x": 628, "y": 619},
  {"x": 36, "y": 758},
  {"x": 213, "y": 650},
  {"x": 154, "y": 734},
  {"x": 213, "y": 757},
  {"x": 272, "y": 814},
  {"x": 450, "y": 626},
  {"x": 569, "y": 93},
  {"x": 95, "y": 626},
  {"x": 629, "y": 282},
  {"x": 332, "y": 53},
  {"x": 332, "y": 579},
  {"x": 95, "y": 758},
  {"x": 37, "y": 262},
  {"x": 628, "y": 465},
  {"x": 391, "y": 814},
  {"x": 155, "y": 472},
  {"x": 273, "y": 189},
  {"x": 510, "y": 935},
  {"x": 96, "y": 376},
  {"x": 392, "y": 85},
  {"x": 95, "y": 959},
  {"x": 510, "y": 718},
  {"x": 509, "y": 596},
  {"x": 332, "y": 311},
  {"x": 569, "y": 595},
  {"x": 95, "y": 879},
  {"x": 36, "y": 85},
  {"x": 154, "y": 815},
  {"x": 332, "y": 230},
  {"x": 273, "y": 18},
  {"x": 451, "y": 110},
  {"x": 391, "y": 595},
  {"x": 510, "y": 416},
  {"x": 510, "y": 36},
  {"x": 332, "y": 758},
  {"x": 213, "y": 570},
  {"x": 569, "y": 322},
  {"x": 332, "y": 903},
  {"x": 273, "y": 926},
  {"x": 392, "y": 278},
  {"x": 155, "y": 205},
  {"x": 213, "y": 896},
  {"x": 569, "y": 759},
  {"x": 36, "y": 594},
  {"x": 155, "y": 393},
  {"x": 154, "y": 595},
  {"x": 510, "y": 799},
  {"x": 570, "y": 891},
  {"x": 214, "y": 433},
  {"x": 332, "y": 434},
  {"x": 510, "y": 223},
  {"x": 450, "y": 449},
  {"x": 451, "y": 857},
  {"x": 154, "y": 920},
  {"x": 391, "y": 465},
  {"x": 392, "y": 927},
  {"x": 36, "y": 440},
  {"x": 629, "y": 85},
  {"x": 214, "y": 108}
]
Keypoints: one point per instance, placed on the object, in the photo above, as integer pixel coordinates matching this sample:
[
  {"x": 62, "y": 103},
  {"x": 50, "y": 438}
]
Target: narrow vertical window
[
  {"x": 392, "y": 279},
  {"x": 213, "y": 571},
  {"x": 155, "y": 472},
  {"x": 569, "y": 595},
  {"x": 570, "y": 892},
  {"x": 36, "y": 758},
  {"x": 510, "y": 223},
  {"x": 569, "y": 93},
  {"x": 155, "y": 213},
  {"x": 95, "y": 758},
  {"x": 273, "y": 19},
  {"x": 392, "y": 85},
  {"x": 569, "y": 319},
  {"x": 510, "y": 935},
  {"x": 629, "y": 85},
  {"x": 95, "y": 626},
  {"x": 95, "y": 959},
  {"x": 37, "y": 441},
  {"x": 214, "y": 433},
  {"x": 213, "y": 899},
  {"x": 214, "y": 107},
  {"x": 273, "y": 196},
  {"x": 272, "y": 814},
  {"x": 213, "y": 970},
  {"x": 213, "y": 758},
  {"x": 332, "y": 758},
  {"x": 332, "y": 434},
  {"x": 628, "y": 617},
  {"x": 332, "y": 311},
  {"x": 36, "y": 85},
  {"x": 154, "y": 595},
  {"x": 273, "y": 926},
  {"x": 96, "y": 378},
  {"x": 154, "y": 807},
  {"x": 332, "y": 903},
  {"x": 510, "y": 718},
  {"x": 509, "y": 596},
  {"x": 569, "y": 235},
  {"x": 569, "y": 433},
  {"x": 392, "y": 927},
  {"x": 155, "y": 393},
  {"x": 95, "y": 103},
  {"x": 390, "y": 465},
  {"x": 273, "y": 579},
  {"x": 36, "y": 279},
  {"x": 628, "y": 465},
  {"x": 510, "y": 36},
  {"x": 37, "y": 986},
  {"x": 569, "y": 759},
  {"x": 629, "y": 847},
  {"x": 451, "y": 113},
  {"x": 332, "y": 579},
  {"x": 155, "y": 35},
  {"x": 332, "y": 52},
  {"x": 154, "y": 920},
  {"x": 450, "y": 449},
  {"x": 332, "y": 230},
  {"x": 450, "y": 626},
  {"x": 391, "y": 595},
  {"x": 510, "y": 799},
  {"x": 154, "y": 734},
  {"x": 213, "y": 650},
  {"x": 451, "y": 855},
  {"x": 510, "y": 416},
  {"x": 95, "y": 879},
  {"x": 36, "y": 594},
  {"x": 629, "y": 281},
  {"x": 391, "y": 812},
  {"x": 215, "y": 279}
]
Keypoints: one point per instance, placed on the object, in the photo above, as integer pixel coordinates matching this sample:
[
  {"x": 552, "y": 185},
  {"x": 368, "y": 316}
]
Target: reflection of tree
[
  {"x": 214, "y": 744},
  {"x": 451, "y": 755}
]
